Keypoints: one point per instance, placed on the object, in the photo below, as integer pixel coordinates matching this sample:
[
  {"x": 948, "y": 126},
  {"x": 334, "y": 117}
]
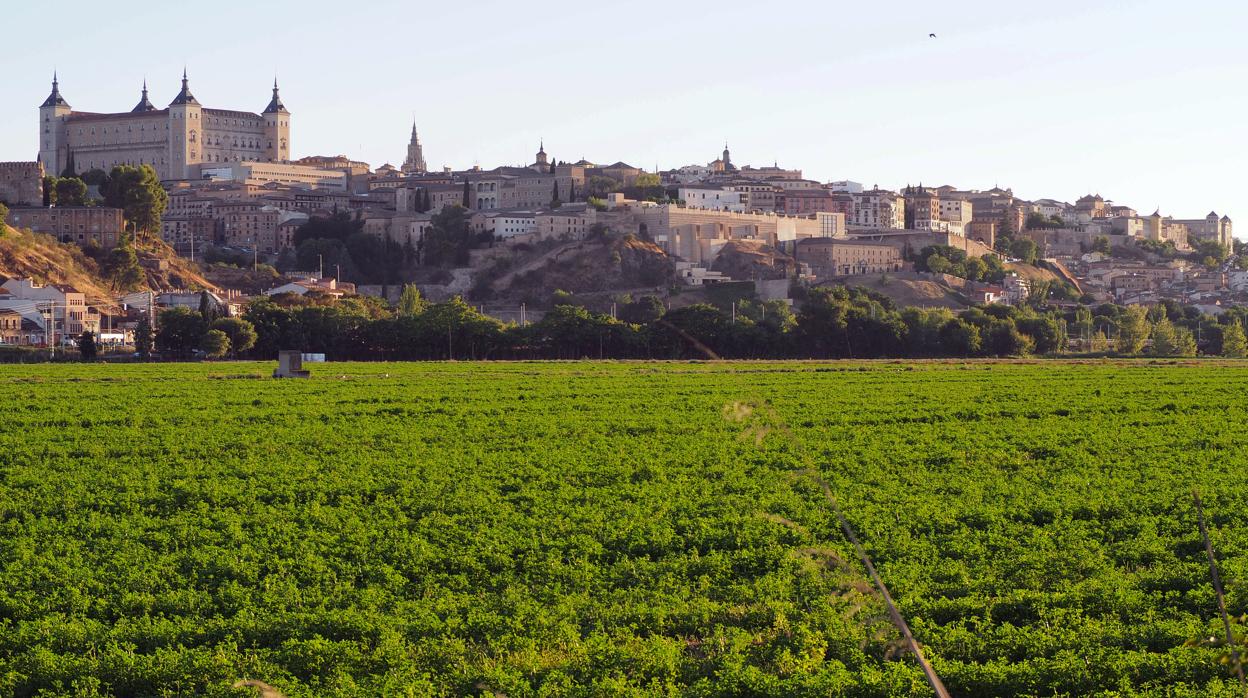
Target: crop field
[{"x": 598, "y": 529}]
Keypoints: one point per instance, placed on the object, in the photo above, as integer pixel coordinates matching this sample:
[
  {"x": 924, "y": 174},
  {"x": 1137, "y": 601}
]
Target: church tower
[
  {"x": 185, "y": 133},
  {"x": 276, "y": 129},
  {"x": 542, "y": 161},
  {"x": 53, "y": 148},
  {"x": 415, "y": 162}
]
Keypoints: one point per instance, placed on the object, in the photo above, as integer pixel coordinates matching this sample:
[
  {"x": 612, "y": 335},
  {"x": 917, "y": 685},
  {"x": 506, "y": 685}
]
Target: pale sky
[{"x": 1143, "y": 102}]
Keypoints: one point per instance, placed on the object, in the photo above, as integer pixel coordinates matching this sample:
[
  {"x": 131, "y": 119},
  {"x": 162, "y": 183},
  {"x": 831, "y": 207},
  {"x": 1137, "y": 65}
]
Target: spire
[
  {"x": 275, "y": 104},
  {"x": 185, "y": 96},
  {"x": 55, "y": 99},
  {"x": 144, "y": 104}
]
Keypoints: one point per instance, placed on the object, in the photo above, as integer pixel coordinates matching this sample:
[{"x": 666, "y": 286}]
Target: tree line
[{"x": 828, "y": 323}]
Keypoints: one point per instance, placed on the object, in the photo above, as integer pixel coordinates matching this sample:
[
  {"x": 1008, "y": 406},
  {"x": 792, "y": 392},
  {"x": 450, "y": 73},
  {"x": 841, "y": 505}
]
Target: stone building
[
  {"x": 21, "y": 183},
  {"x": 832, "y": 257},
  {"x": 175, "y": 140},
  {"x": 80, "y": 224}
]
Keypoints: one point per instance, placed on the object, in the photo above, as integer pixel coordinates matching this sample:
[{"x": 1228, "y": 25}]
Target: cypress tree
[{"x": 467, "y": 194}]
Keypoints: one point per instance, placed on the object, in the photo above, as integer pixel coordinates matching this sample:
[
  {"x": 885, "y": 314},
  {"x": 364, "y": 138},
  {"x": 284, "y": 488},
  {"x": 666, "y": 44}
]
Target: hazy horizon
[{"x": 1140, "y": 103}]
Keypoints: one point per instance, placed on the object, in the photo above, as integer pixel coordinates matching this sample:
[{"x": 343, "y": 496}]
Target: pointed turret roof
[
  {"x": 55, "y": 99},
  {"x": 275, "y": 104},
  {"x": 144, "y": 104},
  {"x": 185, "y": 96}
]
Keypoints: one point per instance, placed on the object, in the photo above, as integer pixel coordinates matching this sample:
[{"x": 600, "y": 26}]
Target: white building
[
  {"x": 298, "y": 176},
  {"x": 879, "y": 208},
  {"x": 509, "y": 224},
  {"x": 846, "y": 187},
  {"x": 715, "y": 199}
]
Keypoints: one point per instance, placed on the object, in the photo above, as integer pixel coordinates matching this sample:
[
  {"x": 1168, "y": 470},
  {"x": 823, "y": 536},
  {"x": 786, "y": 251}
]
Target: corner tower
[
  {"x": 52, "y": 136},
  {"x": 276, "y": 129},
  {"x": 186, "y": 129}
]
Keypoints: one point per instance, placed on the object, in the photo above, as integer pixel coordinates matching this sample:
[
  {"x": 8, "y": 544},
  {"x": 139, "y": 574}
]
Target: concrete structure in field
[
  {"x": 175, "y": 140},
  {"x": 838, "y": 257},
  {"x": 290, "y": 365},
  {"x": 21, "y": 183},
  {"x": 80, "y": 224}
]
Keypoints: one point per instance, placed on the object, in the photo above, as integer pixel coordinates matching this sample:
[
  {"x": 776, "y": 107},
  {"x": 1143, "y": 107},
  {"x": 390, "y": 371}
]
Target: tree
[
  {"x": 960, "y": 338},
  {"x": 71, "y": 170},
  {"x": 339, "y": 225},
  {"x": 4, "y": 216},
  {"x": 122, "y": 268},
  {"x": 215, "y": 344},
  {"x": 554, "y": 198},
  {"x": 1101, "y": 244},
  {"x": 207, "y": 308},
  {"x": 137, "y": 191},
  {"x": 1025, "y": 250},
  {"x": 1100, "y": 343},
  {"x": 642, "y": 311},
  {"x": 938, "y": 264},
  {"x": 71, "y": 191},
  {"x": 143, "y": 338},
  {"x": 181, "y": 331},
  {"x": 1234, "y": 343},
  {"x": 1171, "y": 340},
  {"x": 449, "y": 238},
  {"x": 1133, "y": 330},
  {"x": 411, "y": 303},
  {"x": 86, "y": 345},
  {"x": 242, "y": 334},
  {"x": 1004, "y": 339}
]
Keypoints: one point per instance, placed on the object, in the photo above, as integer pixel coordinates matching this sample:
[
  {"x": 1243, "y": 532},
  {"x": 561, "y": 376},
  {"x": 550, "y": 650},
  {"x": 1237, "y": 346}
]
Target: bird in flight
[{"x": 932, "y": 35}]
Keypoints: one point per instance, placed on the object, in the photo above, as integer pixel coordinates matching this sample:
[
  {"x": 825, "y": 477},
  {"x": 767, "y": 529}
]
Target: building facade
[
  {"x": 80, "y": 224},
  {"x": 21, "y": 183},
  {"x": 175, "y": 140},
  {"x": 830, "y": 257}
]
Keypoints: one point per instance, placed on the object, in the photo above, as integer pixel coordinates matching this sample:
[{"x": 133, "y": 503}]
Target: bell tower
[
  {"x": 186, "y": 130},
  {"x": 276, "y": 129},
  {"x": 415, "y": 162},
  {"x": 53, "y": 138}
]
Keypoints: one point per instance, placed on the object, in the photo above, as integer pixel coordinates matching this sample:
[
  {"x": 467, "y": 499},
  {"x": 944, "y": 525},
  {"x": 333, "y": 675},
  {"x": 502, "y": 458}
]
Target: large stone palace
[{"x": 176, "y": 140}]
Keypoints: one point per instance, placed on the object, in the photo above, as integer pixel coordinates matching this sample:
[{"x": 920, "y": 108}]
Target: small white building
[{"x": 715, "y": 199}]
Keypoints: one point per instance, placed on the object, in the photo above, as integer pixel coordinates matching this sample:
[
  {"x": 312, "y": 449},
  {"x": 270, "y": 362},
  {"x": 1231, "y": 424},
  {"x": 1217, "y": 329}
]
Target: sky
[{"x": 1143, "y": 102}]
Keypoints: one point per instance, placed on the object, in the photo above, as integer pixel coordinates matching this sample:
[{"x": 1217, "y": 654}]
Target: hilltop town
[{"x": 216, "y": 197}]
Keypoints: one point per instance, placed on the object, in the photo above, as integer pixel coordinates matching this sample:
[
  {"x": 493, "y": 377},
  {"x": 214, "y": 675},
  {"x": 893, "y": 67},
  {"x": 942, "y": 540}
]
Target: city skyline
[{"x": 985, "y": 103}]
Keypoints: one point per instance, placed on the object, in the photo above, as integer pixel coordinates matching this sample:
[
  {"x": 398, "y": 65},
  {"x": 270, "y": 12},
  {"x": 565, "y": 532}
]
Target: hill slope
[{"x": 24, "y": 254}]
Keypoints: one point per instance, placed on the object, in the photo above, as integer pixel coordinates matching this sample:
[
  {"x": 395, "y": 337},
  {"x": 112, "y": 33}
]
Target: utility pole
[{"x": 320, "y": 267}]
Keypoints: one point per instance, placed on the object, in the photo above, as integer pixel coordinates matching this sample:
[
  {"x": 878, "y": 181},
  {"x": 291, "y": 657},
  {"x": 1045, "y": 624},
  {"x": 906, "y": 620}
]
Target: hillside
[
  {"x": 908, "y": 288},
  {"x": 745, "y": 260},
  {"x": 24, "y": 254},
  {"x": 587, "y": 266}
]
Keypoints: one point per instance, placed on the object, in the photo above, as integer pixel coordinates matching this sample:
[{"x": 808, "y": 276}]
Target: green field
[{"x": 610, "y": 529}]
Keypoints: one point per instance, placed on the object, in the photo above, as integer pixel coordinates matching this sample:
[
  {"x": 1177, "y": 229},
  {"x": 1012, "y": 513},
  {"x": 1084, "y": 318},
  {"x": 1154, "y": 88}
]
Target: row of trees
[
  {"x": 134, "y": 190},
  {"x": 830, "y": 323}
]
